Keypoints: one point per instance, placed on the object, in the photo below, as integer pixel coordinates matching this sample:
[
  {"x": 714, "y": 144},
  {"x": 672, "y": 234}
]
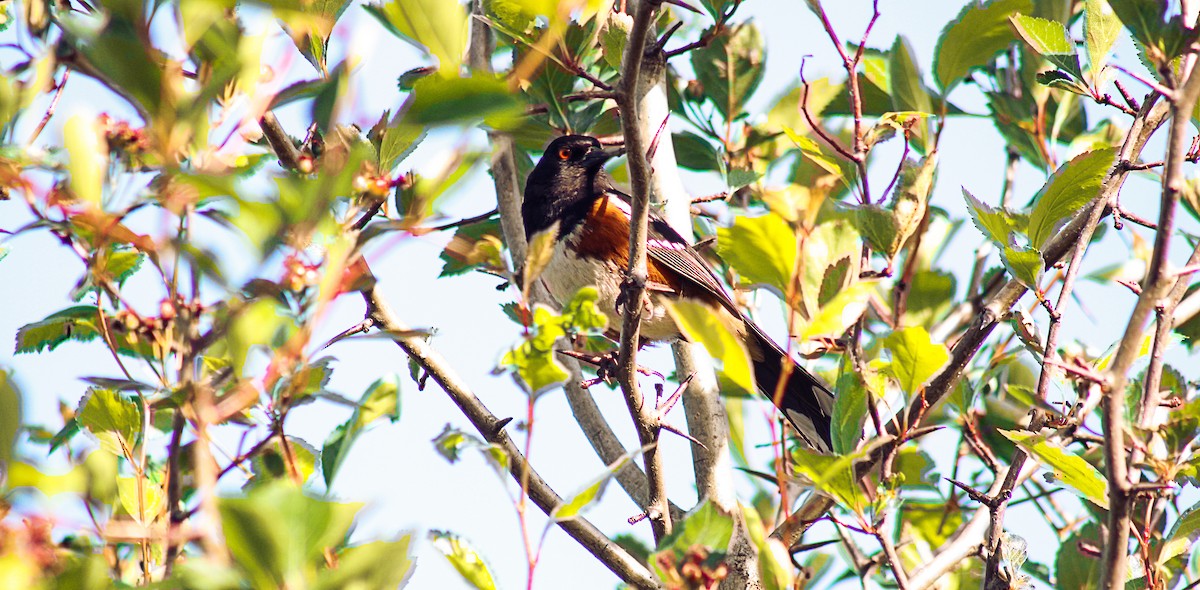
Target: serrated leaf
[
  {"x": 695, "y": 152},
  {"x": 730, "y": 67},
  {"x": 706, "y": 526},
  {"x": 973, "y": 38},
  {"x": 1072, "y": 186},
  {"x": 1100, "y": 30},
  {"x": 833, "y": 475},
  {"x": 699, "y": 324},
  {"x": 915, "y": 357},
  {"x": 114, "y": 419},
  {"x": 995, "y": 223},
  {"x": 1163, "y": 39},
  {"x": 1070, "y": 469},
  {"x": 761, "y": 249},
  {"x": 464, "y": 558},
  {"x": 1051, "y": 40}
]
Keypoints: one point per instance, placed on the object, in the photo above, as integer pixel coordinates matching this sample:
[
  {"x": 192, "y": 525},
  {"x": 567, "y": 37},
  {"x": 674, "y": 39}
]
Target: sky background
[{"x": 394, "y": 468}]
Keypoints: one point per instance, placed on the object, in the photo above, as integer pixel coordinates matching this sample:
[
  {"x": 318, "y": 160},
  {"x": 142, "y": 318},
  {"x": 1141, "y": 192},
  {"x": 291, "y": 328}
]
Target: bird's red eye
[{"x": 564, "y": 154}]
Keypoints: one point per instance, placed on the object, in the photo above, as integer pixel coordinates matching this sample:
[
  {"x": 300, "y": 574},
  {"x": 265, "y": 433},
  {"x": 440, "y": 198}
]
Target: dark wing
[{"x": 669, "y": 249}]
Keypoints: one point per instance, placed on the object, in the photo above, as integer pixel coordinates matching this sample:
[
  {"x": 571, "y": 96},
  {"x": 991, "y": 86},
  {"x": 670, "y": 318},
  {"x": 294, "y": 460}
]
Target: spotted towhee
[{"x": 569, "y": 194}]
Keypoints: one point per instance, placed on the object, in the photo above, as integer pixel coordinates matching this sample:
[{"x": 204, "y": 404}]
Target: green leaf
[
  {"x": 88, "y": 151},
  {"x": 1074, "y": 569},
  {"x": 973, "y": 38},
  {"x": 145, "y": 505},
  {"x": 929, "y": 296},
  {"x": 381, "y": 400},
  {"x": 1163, "y": 40},
  {"x": 833, "y": 475},
  {"x": 1100, "y": 30},
  {"x": 908, "y": 90},
  {"x": 114, "y": 419},
  {"x": 399, "y": 139},
  {"x": 259, "y": 324},
  {"x": 730, "y": 67},
  {"x": 24, "y": 475},
  {"x": 274, "y": 463},
  {"x": 381, "y": 564},
  {"x": 442, "y": 101},
  {"x": 1024, "y": 264},
  {"x": 1070, "y": 469},
  {"x": 836, "y": 316},
  {"x": 581, "y": 314},
  {"x": 774, "y": 562},
  {"x": 849, "y": 410},
  {"x": 590, "y": 494},
  {"x": 695, "y": 152},
  {"x": 472, "y": 246},
  {"x": 1072, "y": 186},
  {"x": 812, "y": 151},
  {"x": 1051, "y": 40},
  {"x": 706, "y": 526},
  {"x": 996, "y": 224},
  {"x": 915, "y": 358},
  {"x": 761, "y": 249},
  {"x": 700, "y": 324},
  {"x": 277, "y": 533},
  {"x": 1182, "y": 536},
  {"x": 437, "y": 26},
  {"x": 10, "y": 417},
  {"x": 464, "y": 558}
]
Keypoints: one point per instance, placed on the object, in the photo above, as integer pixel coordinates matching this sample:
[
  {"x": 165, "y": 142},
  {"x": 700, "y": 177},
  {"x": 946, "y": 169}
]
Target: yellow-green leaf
[
  {"x": 438, "y": 26},
  {"x": 971, "y": 39},
  {"x": 700, "y": 324},
  {"x": 88, "y": 151},
  {"x": 915, "y": 357},
  {"x": 762, "y": 249},
  {"x": 1070, "y": 469}
]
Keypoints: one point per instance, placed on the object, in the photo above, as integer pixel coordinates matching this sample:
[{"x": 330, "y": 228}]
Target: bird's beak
[{"x": 598, "y": 156}]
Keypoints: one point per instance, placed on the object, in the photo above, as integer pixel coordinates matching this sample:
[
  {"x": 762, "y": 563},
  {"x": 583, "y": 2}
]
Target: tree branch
[
  {"x": 620, "y": 562},
  {"x": 1156, "y": 286},
  {"x": 634, "y": 287}
]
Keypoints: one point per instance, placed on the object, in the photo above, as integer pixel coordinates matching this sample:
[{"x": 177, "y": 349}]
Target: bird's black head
[{"x": 562, "y": 185}]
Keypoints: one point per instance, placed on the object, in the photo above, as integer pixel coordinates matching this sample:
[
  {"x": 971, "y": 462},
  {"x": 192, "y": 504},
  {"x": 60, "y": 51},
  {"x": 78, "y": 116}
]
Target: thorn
[
  {"x": 810, "y": 546},
  {"x": 671, "y": 401},
  {"x": 499, "y": 425},
  {"x": 662, "y": 41},
  {"x": 676, "y": 430},
  {"x": 653, "y": 149},
  {"x": 683, "y": 5},
  {"x": 973, "y": 493}
]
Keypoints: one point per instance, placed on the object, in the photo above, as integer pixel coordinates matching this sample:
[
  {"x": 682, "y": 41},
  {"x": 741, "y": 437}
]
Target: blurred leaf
[
  {"x": 774, "y": 562},
  {"x": 114, "y": 419},
  {"x": 575, "y": 505},
  {"x": 915, "y": 358},
  {"x": 274, "y": 462},
  {"x": 1070, "y": 469},
  {"x": 463, "y": 557},
  {"x": 1101, "y": 27},
  {"x": 973, "y": 38},
  {"x": 929, "y": 296},
  {"x": 1051, "y": 40},
  {"x": 144, "y": 505},
  {"x": 699, "y": 324},
  {"x": 836, "y": 316},
  {"x": 437, "y": 26},
  {"x": 834, "y": 165},
  {"x": 381, "y": 400},
  {"x": 761, "y": 249},
  {"x": 833, "y": 475},
  {"x": 1182, "y": 536},
  {"x": 1075, "y": 569},
  {"x": 730, "y": 67},
  {"x": 10, "y": 417},
  {"x": 706, "y": 526},
  {"x": 441, "y": 101},
  {"x": 24, "y": 475},
  {"x": 259, "y": 324},
  {"x": 381, "y": 564},
  {"x": 473, "y": 246},
  {"x": 277, "y": 533},
  {"x": 88, "y": 150},
  {"x": 1072, "y": 186}
]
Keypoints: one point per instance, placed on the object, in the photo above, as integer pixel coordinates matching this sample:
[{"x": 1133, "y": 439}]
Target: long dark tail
[{"x": 805, "y": 401}]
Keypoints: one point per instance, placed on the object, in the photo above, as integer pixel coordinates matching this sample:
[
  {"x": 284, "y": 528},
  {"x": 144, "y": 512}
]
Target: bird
[{"x": 570, "y": 195}]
